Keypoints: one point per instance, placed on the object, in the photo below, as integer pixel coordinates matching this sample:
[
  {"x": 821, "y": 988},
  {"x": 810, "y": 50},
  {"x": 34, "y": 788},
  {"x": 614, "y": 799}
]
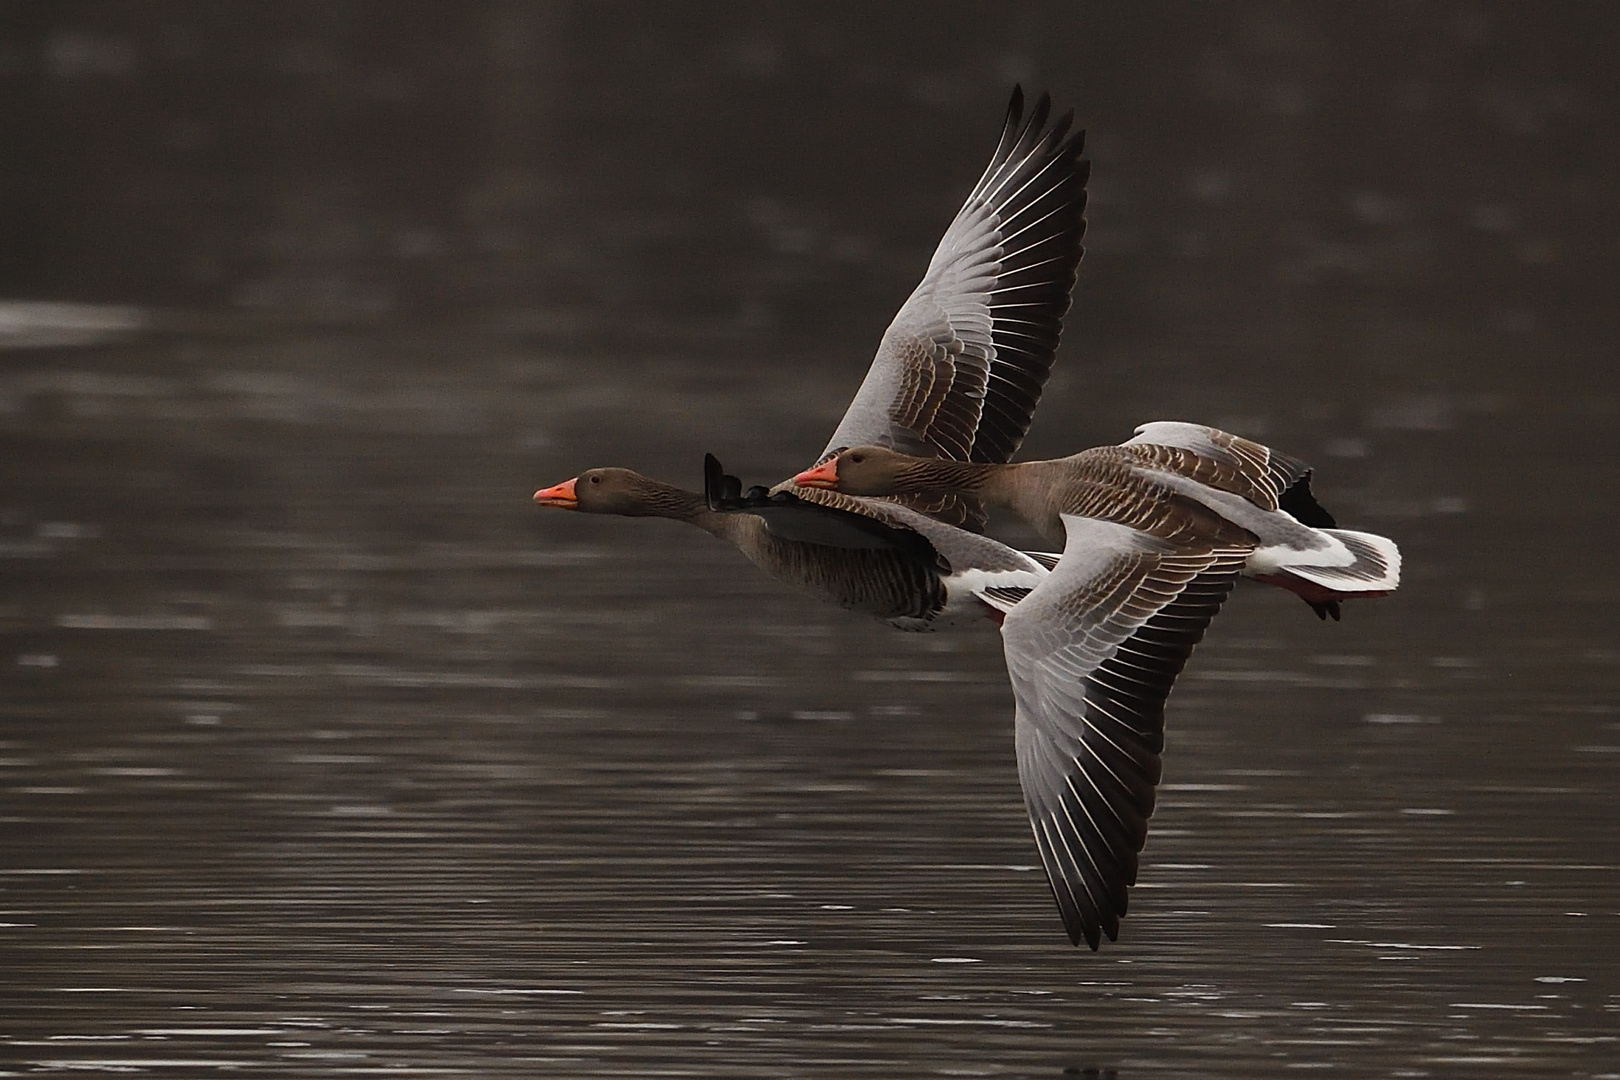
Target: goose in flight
[
  {"x": 957, "y": 376},
  {"x": 1155, "y": 533}
]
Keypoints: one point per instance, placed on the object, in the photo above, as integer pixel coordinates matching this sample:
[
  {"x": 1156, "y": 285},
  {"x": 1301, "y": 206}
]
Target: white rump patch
[
  {"x": 969, "y": 591},
  {"x": 1351, "y": 562}
]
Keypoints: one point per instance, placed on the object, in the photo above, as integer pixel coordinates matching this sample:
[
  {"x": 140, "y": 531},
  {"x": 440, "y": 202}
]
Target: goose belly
[{"x": 974, "y": 596}]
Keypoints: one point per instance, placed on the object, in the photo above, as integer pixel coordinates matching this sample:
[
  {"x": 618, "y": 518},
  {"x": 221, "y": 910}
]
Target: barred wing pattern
[
  {"x": 960, "y": 369},
  {"x": 1092, "y": 654},
  {"x": 1221, "y": 460}
]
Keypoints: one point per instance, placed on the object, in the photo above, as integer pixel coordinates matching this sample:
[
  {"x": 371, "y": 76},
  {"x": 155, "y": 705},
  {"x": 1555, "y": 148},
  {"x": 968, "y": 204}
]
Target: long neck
[
  {"x": 1026, "y": 487},
  {"x": 657, "y": 499},
  {"x": 990, "y": 482}
]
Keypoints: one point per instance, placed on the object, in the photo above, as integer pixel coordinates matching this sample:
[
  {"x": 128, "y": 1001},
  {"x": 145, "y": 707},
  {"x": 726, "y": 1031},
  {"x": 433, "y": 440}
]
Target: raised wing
[
  {"x": 961, "y": 367},
  {"x": 1092, "y": 654}
]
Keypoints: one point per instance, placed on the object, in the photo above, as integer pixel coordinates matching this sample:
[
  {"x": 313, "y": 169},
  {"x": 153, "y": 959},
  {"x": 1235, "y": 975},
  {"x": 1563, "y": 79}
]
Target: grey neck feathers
[
  {"x": 678, "y": 504},
  {"x": 934, "y": 475},
  {"x": 667, "y": 501},
  {"x": 1022, "y": 487}
]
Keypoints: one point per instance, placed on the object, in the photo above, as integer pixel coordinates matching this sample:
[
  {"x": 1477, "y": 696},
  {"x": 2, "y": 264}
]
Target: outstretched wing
[
  {"x": 961, "y": 367},
  {"x": 1092, "y": 654}
]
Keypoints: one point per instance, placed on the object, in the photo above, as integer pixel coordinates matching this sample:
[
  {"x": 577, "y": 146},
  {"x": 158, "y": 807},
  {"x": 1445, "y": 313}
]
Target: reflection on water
[{"x": 322, "y": 752}]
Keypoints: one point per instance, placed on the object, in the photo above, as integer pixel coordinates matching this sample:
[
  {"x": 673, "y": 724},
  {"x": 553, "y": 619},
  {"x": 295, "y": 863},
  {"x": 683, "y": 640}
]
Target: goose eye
[
  {"x": 596, "y": 479},
  {"x": 857, "y": 458}
]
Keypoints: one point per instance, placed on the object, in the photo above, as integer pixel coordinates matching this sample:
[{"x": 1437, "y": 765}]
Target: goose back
[
  {"x": 871, "y": 555},
  {"x": 1109, "y": 483}
]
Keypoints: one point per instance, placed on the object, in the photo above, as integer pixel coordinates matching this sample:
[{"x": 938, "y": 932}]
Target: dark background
[
  {"x": 322, "y": 745},
  {"x": 1309, "y": 197}
]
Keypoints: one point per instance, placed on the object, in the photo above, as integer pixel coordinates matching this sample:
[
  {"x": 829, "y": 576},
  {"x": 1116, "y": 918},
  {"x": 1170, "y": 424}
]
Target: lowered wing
[{"x": 1092, "y": 653}]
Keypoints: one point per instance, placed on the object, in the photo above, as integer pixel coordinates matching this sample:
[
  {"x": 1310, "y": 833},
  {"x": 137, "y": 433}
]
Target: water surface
[{"x": 325, "y": 753}]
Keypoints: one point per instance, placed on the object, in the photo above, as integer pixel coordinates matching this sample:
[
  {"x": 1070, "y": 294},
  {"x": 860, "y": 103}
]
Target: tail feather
[
  {"x": 1376, "y": 566},
  {"x": 1360, "y": 564}
]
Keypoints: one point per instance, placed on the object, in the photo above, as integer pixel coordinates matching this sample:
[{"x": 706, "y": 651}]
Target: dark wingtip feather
[
  {"x": 1060, "y": 129},
  {"x": 1015, "y": 104},
  {"x": 1010, "y": 130},
  {"x": 713, "y": 478},
  {"x": 1036, "y": 287},
  {"x": 1037, "y": 119},
  {"x": 1075, "y": 147}
]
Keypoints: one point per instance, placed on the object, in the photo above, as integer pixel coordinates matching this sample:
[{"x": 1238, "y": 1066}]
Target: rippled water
[
  {"x": 326, "y": 752},
  {"x": 323, "y": 752}
]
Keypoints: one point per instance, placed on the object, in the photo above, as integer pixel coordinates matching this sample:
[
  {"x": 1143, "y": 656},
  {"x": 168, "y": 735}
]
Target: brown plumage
[
  {"x": 961, "y": 367},
  {"x": 1156, "y": 532},
  {"x": 884, "y": 582},
  {"x": 1106, "y": 482},
  {"x": 957, "y": 374}
]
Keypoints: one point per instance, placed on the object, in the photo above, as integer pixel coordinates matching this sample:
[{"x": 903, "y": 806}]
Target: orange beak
[
  {"x": 824, "y": 475},
  {"x": 559, "y": 495}
]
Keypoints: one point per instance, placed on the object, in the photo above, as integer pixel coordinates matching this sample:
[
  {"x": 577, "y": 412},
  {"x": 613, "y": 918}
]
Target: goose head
[
  {"x": 610, "y": 491},
  {"x": 865, "y": 470}
]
